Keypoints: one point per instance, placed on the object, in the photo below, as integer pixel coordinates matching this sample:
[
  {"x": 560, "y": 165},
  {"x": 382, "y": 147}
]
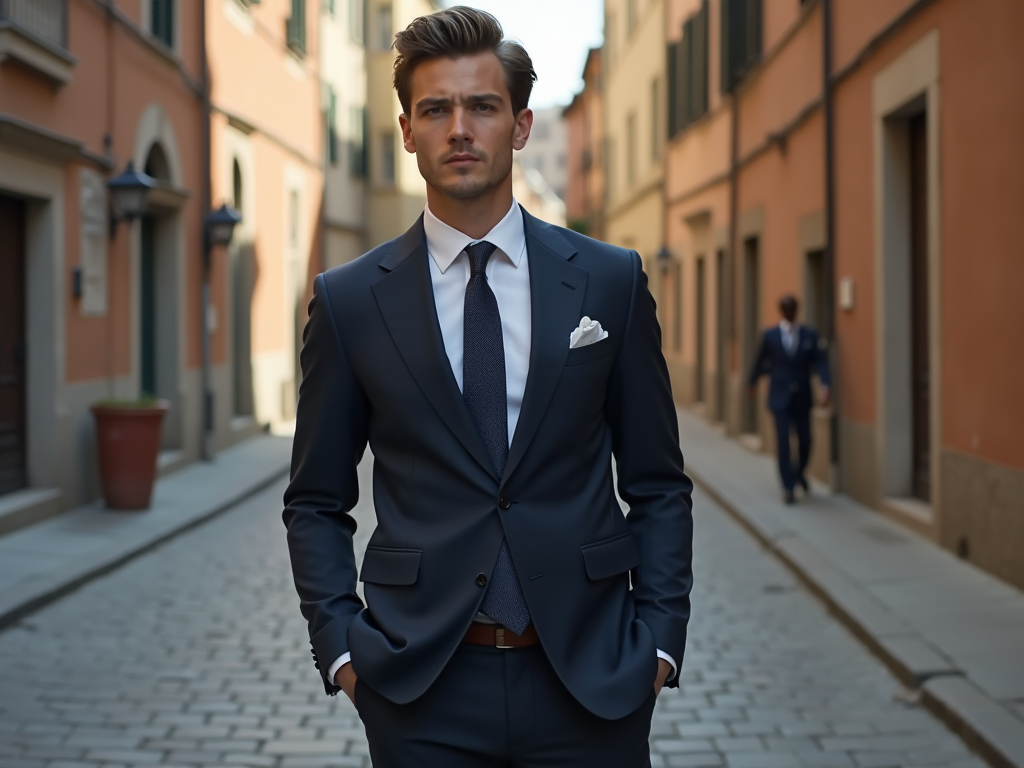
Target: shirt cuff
[
  {"x": 346, "y": 658},
  {"x": 661, "y": 655}
]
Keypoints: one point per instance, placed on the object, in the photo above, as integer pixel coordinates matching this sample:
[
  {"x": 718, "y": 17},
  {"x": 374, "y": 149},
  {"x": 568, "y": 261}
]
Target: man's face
[{"x": 461, "y": 125}]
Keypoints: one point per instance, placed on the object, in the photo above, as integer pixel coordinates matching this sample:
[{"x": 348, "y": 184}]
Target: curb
[
  {"x": 983, "y": 723},
  {"x": 71, "y": 578}
]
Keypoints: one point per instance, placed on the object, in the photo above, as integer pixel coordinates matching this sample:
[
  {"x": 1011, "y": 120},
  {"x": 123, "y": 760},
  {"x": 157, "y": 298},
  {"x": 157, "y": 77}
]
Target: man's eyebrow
[{"x": 443, "y": 101}]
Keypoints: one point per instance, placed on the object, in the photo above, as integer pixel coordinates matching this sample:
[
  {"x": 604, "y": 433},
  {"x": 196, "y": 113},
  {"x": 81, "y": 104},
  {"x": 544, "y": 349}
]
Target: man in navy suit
[
  {"x": 789, "y": 354},
  {"x": 494, "y": 364}
]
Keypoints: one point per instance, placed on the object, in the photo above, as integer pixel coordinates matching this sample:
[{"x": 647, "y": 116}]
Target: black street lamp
[
  {"x": 129, "y": 192},
  {"x": 220, "y": 225}
]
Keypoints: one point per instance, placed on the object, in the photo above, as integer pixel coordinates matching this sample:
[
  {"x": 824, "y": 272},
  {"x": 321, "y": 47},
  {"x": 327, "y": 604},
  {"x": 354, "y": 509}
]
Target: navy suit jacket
[
  {"x": 604, "y": 590},
  {"x": 790, "y": 374}
]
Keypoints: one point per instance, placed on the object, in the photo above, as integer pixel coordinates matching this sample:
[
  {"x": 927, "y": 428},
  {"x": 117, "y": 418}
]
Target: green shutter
[
  {"x": 161, "y": 21},
  {"x": 332, "y": 126}
]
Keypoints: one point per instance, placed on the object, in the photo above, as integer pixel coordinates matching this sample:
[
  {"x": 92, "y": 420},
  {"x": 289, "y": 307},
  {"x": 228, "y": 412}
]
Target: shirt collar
[
  {"x": 787, "y": 326},
  {"x": 445, "y": 243}
]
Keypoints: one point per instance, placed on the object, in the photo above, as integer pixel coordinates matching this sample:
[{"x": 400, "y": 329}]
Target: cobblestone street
[{"x": 195, "y": 655}]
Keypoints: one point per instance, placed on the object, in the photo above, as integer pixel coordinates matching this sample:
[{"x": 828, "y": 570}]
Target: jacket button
[
  {"x": 481, "y": 580},
  {"x": 504, "y": 503}
]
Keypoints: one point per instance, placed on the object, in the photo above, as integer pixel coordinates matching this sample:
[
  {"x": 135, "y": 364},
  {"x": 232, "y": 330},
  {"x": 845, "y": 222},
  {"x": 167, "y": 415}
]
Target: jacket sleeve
[
  {"x": 762, "y": 363},
  {"x": 651, "y": 479},
  {"x": 330, "y": 437}
]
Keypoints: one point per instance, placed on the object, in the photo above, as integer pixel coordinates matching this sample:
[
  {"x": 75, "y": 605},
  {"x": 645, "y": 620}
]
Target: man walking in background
[
  {"x": 789, "y": 354},
  {"x": 495, "y": 364}
]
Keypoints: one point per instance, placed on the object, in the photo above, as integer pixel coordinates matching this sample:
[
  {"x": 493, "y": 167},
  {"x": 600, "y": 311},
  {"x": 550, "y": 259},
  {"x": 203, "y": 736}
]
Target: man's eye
[{"x": 484, "y": 107}]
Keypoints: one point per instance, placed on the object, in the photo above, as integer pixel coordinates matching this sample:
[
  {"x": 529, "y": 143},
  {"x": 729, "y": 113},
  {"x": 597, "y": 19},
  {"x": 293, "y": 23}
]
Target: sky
[{"x": 556, "y": 34}]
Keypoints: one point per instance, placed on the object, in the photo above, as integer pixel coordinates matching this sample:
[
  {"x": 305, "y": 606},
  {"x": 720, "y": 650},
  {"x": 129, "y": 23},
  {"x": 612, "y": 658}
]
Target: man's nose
[{"x": 459, "y": 129}]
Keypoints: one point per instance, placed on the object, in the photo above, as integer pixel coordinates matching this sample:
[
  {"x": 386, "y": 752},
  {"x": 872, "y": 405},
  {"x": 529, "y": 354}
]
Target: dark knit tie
[{"x": 483, "y": 389}]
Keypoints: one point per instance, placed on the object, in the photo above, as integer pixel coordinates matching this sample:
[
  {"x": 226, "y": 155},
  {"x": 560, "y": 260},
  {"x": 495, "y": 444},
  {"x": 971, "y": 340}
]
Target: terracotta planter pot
[{"x": 128, "y": 439}]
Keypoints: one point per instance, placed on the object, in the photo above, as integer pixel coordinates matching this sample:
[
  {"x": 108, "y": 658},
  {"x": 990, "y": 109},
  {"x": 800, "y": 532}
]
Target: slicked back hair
[{"x": 456, "y": 32}]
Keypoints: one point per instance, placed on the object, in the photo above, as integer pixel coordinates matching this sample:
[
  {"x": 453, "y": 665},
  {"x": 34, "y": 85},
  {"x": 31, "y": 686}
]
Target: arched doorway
[{"x": 159, "y": 336}]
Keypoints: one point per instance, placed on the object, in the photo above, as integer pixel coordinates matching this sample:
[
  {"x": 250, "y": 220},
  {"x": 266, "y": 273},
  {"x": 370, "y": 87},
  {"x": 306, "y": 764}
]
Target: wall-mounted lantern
[
  {"x": 128, "y": 193},
  {"x": 663, "y": 258},
  {"x": 220, "y": 225}
]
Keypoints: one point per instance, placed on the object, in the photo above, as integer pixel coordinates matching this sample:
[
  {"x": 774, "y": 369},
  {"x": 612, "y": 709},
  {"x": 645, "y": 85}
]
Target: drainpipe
[
  {"x": 830, "y": 229},
  {"x": 205, "y": 204}
]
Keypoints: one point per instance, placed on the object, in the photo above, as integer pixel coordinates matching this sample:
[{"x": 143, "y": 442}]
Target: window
[
  {"x": 688, "y": 73},
  {"x": 385, "y": 30},
  {"x": 355, "y": 20},
  {"x": 387, "y": 158},
  {"x": 631, "y": 148},
  {"x": 332, "y": 126},
  {"x": 295, "y": 27},
  {"x": 741, "y": 40},
  {"x": 331, "y": 7},
  {"x": 356, "y": 141},
  {"x": 655, "y": 119},
  {"x": 161, "y": 21}
]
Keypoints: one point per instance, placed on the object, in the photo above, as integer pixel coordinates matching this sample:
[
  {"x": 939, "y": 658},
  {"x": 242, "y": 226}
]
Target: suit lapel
[
  {"x": 406, "y": 301},
  {"x": 556, "y": 298}
]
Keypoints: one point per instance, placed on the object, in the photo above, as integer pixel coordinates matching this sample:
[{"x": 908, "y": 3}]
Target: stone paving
[{"x": 195, "y": 655}]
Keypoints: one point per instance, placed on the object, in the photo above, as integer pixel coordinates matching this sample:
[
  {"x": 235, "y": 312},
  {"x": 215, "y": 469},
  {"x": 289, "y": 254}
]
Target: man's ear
[
  {"x": 524, "y": 124},
  {"x": 408, "y": 141}
]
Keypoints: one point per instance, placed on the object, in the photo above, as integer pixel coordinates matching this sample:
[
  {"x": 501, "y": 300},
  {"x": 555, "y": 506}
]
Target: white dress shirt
[
  {"x": 508, "y": 276},
  {"x": 790, "y": 335}
]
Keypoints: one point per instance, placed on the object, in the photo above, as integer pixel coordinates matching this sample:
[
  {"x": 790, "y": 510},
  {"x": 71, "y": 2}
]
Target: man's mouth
[{"x": 462, "y": 158}]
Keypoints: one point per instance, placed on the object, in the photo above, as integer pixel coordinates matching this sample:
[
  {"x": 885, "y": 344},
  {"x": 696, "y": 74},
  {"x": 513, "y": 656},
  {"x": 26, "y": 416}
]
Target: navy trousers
[
  {"x": 495, "y": 708},
  {"x": 792, "y": 418}
]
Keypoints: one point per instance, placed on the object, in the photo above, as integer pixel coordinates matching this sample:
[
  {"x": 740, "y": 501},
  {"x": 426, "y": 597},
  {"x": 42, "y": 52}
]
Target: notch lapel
[
  {"x": 556, "y": 299},
  {"x": 406, "y": 300}
]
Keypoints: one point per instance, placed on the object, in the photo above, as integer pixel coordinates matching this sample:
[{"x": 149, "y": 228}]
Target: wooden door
[
  {"x": 920, "y": 357},
  {"x": 13, "y": 472}
]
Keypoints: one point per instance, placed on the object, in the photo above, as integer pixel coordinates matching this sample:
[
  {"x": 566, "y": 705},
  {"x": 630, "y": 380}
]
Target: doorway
[
  {"x": 751, "y": 422},
  {"x": 920, "y": 358},
  {"x": 242, "y": 281},
  {"x": 13, "y": 347},
  {"x": 701, "y": 368},
  {"x": 722, "y": 368}
]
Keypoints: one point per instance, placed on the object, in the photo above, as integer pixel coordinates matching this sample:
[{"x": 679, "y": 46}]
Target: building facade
[
  {"x": 585, "y": 164},
  {"x": 858, "y": 155},
  {"x": 86, "y": 87},
  {"x": 545, "y": 153},
  {"x": 395, "y": 192},
  {"x": 633, "y": 85},
  {"x": 343, "y": 73}
]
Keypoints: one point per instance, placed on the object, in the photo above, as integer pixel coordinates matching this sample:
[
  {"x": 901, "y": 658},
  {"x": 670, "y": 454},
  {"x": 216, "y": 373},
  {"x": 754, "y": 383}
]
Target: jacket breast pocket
[
  {"x": 390, "y": 566},
  {"x": 589, "y": 353},
  {"x": 611, "y": 557}
]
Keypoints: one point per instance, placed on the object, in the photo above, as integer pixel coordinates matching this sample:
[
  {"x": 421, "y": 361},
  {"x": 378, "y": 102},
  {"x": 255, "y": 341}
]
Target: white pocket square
[{"x": 588, "y": 332}]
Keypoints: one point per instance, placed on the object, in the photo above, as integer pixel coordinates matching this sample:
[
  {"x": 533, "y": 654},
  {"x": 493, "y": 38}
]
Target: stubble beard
[{"x": 464, "y": 187}]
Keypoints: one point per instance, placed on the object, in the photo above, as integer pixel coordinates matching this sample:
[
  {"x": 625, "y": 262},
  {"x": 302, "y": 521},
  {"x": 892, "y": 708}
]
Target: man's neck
[{"x": 474, "y": 218}]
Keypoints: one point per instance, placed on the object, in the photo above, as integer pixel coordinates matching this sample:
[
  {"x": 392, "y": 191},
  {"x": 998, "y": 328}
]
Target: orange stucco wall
[{"x": 115, "y": 79}]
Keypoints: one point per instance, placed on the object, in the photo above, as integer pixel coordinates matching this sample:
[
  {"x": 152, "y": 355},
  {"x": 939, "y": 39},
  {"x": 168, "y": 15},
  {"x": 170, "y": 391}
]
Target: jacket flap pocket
[
  {"x": 589, "y": 353},
  {"x": 611, "y": 556},
  {"x": 393, "y": 567}
]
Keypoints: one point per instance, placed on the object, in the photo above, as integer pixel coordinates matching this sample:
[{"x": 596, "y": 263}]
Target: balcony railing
[{"x": 46, "y": 20}]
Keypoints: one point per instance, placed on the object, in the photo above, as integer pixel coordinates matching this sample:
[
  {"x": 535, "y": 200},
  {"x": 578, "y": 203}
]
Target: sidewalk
[
  {"x": 40, "y": 563},
  {"x": 942, "y": 625}
]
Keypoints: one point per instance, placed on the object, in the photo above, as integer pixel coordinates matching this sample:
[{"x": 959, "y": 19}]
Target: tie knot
[{"x": 478, "y": 254}]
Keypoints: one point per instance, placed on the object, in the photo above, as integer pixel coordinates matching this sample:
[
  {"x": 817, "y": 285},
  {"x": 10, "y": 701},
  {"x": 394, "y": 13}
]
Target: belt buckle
[{"x": 499, "y": 638}]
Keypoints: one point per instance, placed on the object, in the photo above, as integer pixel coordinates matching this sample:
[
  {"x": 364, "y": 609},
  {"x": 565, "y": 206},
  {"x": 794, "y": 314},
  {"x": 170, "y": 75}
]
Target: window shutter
[
  {"x": 700, "y": 61},
  {"x": 332, "y": 126},
  {"x": 686, "y": 75}
]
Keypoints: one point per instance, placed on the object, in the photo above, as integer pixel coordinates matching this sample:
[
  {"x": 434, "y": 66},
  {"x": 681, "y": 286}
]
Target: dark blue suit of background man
[
  {"x": 456, "y": 352},
  {"x": 788, "y": 355}
]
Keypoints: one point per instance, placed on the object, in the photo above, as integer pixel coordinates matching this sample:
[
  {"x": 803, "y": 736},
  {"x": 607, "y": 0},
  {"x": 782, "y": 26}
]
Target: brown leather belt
[{"x": 497, "y": 636}]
